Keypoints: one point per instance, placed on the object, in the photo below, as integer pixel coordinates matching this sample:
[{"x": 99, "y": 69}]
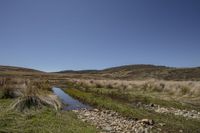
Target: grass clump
[
  {"x": 36, "y": 101},
  {"x": 29, "y": 94}
]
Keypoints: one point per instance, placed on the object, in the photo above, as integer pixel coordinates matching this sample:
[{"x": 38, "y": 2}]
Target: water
[{"x": 72, "y": 104}]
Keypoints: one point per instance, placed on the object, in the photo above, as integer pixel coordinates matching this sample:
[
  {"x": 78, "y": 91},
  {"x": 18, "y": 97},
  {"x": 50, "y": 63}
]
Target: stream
[{"x": 70, "y": 102}]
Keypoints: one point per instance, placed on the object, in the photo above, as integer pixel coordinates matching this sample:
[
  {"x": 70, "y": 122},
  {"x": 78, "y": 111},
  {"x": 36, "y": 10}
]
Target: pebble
[
  {"x": 107, "y": 128},
  {"x": 147, "y": 121},
  {"x": 193, "y": 114},
  {"x": 111, "y": 122}
]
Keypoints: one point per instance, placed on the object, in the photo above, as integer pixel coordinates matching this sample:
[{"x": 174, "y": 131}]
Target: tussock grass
[
  {"x": 177, "y": 94},
  {"x": 190, "y": 88},
  {"x": 36, "y": 101},
  {"x": 29, "y": 94},
  {"x": 185, "y": 92}
]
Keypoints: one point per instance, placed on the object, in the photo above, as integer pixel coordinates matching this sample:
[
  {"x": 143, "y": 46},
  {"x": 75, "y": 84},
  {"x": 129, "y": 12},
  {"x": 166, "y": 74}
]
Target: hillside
[
  {"x": 127, "y": 72},
  {"x": 139, "y": 72},
  {"x": 19, "y": 71}
]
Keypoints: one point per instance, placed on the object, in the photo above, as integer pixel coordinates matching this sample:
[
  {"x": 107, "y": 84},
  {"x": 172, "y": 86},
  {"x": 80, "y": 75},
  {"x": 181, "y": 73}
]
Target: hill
[
  {"x": 17, "y": 69},
  {"x": 139, "y": 72},
  {"x": 127, "y": 72}
]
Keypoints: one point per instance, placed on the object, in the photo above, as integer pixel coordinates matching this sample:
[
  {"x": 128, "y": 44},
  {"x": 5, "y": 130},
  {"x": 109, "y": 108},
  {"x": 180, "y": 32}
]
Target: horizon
[
  {"x": 99, "y": 69},
  {"x": 61, "y": 35}
]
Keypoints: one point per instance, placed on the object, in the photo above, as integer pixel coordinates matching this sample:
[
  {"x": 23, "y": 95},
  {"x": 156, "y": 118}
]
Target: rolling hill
[
  {"x": 139, "y": 72},
  {"x": 127, "y": 72},
  {"x": 17, "y": 69}
]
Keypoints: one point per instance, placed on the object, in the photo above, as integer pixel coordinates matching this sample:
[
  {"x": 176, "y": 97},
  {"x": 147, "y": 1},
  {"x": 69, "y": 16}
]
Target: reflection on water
[{"x": 72, "y": 103}]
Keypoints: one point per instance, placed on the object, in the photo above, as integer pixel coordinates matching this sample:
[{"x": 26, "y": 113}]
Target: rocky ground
[
  {"x": 193, "y": 114},
  {"x": 111, "y": 122}
]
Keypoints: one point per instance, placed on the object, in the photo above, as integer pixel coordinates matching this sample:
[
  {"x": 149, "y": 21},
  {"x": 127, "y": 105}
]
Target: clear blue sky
[{"x": 54, "y": 35}]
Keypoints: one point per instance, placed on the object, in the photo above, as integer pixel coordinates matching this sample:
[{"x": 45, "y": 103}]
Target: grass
[
  {"x": 142, "y": 97},
  {"x": 182, "y": 95},
  {"x": 173, "y": 123},
  {"x": 116, "y": 95},
  {"x": 177, "y": 88},
  {"x": 25, "y": 106},
  {"x": 44, "y": 120},
  {"x": 29, "y": 94}
]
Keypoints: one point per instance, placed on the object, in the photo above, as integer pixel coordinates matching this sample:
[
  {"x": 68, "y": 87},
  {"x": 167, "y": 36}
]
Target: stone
[
  {"x": 147, "y": 121},
  {"x": 162, "y": 124},
  {"x": 87, "y": 114},
  {"x": 76, "y": 111},
  {"x": 111, "y": 122},
  {"x": 152, "y": 105},
  {"x": 96, "y": 110},
  {"x": 107, "y": 128},
  {"x": 180, "y": 131}
]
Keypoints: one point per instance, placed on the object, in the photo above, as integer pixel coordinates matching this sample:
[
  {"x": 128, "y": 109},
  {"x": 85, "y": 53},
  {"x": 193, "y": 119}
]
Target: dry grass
[
  {"x": 10, "y": 87},
  {"x": 29, "y": 93},
  {"x": 191, "y": 88}
]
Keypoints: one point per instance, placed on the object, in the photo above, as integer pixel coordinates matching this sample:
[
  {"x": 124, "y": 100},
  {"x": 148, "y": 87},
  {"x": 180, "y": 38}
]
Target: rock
[
  {"x": 152, "y": 105},
  {"x": 147, "y": 121},
  {"x": 96, "y": 110},
  {"x": 180, "y": 131},
  {"x": 162, "y": 124},
  {"x": 139, "y": 104},
  {"x": 159, "y": 129},
  {"x": 87, "y": 114},
  {"x": 84, "y": 120},
  {"x": 76, "y": 111},
  {"x": 107, "y": 128},
  {"x": 194, "y": 111},
  {"x": 111, "y": 122}
]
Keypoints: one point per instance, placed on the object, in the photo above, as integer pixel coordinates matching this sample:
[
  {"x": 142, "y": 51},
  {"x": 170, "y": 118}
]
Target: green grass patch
[
  {"x": 45, "y": 120},
  {"x": 173, "y": 123},
  {"x": 140, "y": 96}
]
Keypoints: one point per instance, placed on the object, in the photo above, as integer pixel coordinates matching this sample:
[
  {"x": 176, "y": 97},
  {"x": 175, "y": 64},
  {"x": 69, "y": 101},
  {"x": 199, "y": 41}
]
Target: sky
[{"x": 53, "y": 35}]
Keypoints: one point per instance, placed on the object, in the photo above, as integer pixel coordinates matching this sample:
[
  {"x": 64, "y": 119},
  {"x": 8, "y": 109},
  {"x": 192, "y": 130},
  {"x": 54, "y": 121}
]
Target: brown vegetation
[
  {"x": 184, "y": 92},
  {"x": 187, "y": 88},
  {"x": 28, "y": 93}
]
